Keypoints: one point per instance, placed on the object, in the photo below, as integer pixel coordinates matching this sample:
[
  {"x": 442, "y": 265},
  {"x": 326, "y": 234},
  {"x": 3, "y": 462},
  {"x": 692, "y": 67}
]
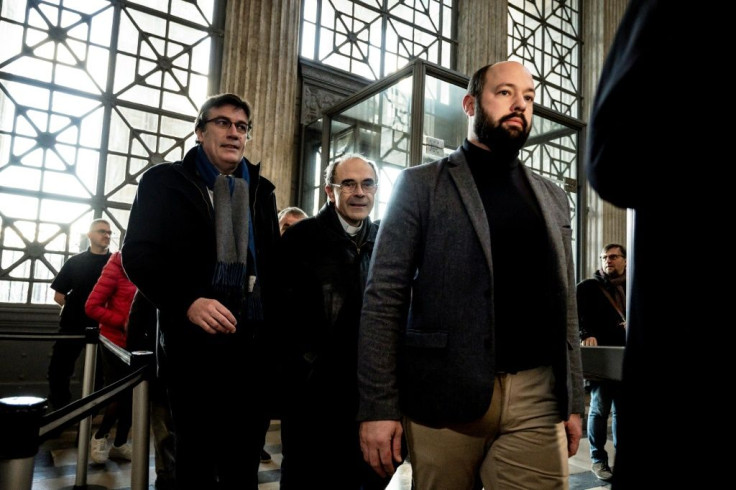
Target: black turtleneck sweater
[{"x": 522, "y": 261}]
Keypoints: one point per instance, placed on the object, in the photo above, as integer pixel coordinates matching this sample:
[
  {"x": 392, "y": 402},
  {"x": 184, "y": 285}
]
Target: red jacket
[{"x": 110, "y": 299}]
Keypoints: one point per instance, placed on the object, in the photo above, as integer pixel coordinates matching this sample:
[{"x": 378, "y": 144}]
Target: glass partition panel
[
  {"x": 379, "y": 122},
  {"x": 445, "y": 123},
  {"x": 379, "y": 128}
]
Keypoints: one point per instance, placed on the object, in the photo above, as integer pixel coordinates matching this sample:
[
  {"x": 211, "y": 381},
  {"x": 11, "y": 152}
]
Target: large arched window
[{"x": 91, "y": 93}]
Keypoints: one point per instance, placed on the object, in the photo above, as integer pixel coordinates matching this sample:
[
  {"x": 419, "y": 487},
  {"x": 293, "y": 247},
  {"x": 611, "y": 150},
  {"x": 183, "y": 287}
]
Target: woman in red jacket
[{"x": 109, "y": 304}]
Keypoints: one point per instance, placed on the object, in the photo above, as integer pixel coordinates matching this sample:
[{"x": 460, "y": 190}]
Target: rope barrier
[{"x": 24, "y": 426}]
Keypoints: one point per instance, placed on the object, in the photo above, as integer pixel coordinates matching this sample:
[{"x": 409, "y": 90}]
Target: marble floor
[{"x": 55, "y": 467}]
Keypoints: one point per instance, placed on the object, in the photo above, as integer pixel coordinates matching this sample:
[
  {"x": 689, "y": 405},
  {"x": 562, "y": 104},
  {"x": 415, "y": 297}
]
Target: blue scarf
[{"x": 235, "y": 274}]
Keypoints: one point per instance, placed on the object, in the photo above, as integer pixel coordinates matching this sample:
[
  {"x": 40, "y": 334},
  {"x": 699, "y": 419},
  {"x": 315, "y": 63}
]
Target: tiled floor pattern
[{"x": 55, "y": 467}]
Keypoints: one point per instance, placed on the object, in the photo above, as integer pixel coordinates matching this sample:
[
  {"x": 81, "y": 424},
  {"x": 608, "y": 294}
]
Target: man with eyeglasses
[
  {"x": 602, "y": 320},
  {"x": 72, "y": 285},
  {"x": 199, "y": 246},
  {"x": 469, "y": 342},
  {"x": 325, "y": 263}
]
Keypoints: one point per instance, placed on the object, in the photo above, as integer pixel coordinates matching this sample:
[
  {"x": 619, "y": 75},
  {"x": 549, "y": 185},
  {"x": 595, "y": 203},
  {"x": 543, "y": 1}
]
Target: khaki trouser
[{"x": 520, "y": 443}]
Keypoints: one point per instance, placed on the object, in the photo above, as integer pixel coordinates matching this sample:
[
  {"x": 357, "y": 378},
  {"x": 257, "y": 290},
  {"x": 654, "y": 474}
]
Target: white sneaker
[
  {"x": 99, "y": 449},
  {"x": 122, "y": 452}
]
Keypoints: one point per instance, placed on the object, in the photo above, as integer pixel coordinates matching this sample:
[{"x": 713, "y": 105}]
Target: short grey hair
[
  {"x": 97, "y": 221},
  {"x": 293, "y": 210}
]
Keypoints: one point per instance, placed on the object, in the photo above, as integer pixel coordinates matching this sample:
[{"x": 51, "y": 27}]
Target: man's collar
[{"x": 349, "y": 229}]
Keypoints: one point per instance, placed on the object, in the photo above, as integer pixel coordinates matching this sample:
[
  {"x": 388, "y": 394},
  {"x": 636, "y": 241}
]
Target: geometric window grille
[
  {"x": 375, "y": 38},
  {"x": 546, "y": 36},
  {"x": 92, "y": 92}
]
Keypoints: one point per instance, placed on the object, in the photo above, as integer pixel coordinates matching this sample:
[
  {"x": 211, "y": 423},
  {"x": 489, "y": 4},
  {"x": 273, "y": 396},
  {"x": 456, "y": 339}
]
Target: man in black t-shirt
[{"x": 73, "y": 284}]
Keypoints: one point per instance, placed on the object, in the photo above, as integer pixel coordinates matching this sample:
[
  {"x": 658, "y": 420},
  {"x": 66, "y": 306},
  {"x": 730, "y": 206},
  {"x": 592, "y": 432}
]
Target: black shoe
[
  {"x": 265, "y": 457},
  {"x": 165, "y": 483}
]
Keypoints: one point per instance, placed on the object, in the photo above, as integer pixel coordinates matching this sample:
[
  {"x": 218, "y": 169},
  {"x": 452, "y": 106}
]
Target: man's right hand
[
  {"x": 589, "y": 342},
  {"x": 380, "y": 441},
  {"x": 212, "y": 316}
]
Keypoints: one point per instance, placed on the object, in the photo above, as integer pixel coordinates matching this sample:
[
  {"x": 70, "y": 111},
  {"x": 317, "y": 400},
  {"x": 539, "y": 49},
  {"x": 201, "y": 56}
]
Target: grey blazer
[{"x": 426, "y": 346}]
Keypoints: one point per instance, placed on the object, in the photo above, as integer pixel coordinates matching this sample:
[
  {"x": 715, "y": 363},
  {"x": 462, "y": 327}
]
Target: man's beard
[{"x": 498, "y": 138}]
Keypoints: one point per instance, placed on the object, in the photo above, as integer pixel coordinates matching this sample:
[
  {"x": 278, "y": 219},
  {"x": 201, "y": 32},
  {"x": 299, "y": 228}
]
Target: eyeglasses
[
  {"x": 610, "y": 256},
  {"x": 369, "y": 186},
  {"x": 224, "y": 124},
  {"x": 104, "y": 232}
]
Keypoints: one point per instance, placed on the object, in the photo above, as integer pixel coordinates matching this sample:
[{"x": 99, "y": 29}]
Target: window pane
[
  {"x": 70, "y": 145},
  {"x": 352, "y": 37}
]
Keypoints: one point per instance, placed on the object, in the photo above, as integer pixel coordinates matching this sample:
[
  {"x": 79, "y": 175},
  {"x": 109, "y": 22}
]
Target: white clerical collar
[{"x": 349, "y": 229}]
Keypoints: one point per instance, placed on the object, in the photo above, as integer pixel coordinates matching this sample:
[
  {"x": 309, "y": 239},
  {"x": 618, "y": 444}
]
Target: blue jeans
[{"x": 604, "y": 396}]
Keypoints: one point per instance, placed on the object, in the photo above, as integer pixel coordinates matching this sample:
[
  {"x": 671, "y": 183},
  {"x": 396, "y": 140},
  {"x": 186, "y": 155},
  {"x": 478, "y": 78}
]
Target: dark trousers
[
  {"x": 266, "y": 425},
  {"x": 310, "y": 447},
  {"x": 218, "y": 438},
  {"x": 61, "y": 369},
  {"x": 119, "y": 412},
  {"x": 164, "y": 437},
  {"x": 319, "y": 431}
]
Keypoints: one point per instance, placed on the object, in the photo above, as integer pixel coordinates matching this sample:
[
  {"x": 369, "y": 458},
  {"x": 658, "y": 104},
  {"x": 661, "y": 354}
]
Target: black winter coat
[
  {"x": 169, "y": 251},
  {"x": 324, "y": 274},
  {"x": 596, "y": 315}
]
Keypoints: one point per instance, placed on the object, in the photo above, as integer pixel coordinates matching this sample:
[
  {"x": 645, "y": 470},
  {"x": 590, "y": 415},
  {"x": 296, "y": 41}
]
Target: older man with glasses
[
  {"x": 325, "y": 263},
  {"x": 602, "y": 321}
]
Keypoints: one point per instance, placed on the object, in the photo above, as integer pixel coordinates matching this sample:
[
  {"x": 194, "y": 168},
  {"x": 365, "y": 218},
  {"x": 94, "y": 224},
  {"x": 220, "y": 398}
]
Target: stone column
[
  {"x": 260, "y": 63},
  {"x": 482, "y": 34},
  {"x": 604, "y": 223}
]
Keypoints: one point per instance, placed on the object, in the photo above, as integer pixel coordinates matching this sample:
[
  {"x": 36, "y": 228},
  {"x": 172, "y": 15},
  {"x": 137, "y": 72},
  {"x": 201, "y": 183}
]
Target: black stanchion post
[
  {"x": 20, "y": 420},
  {"x": 141, "y": 420},
  {"x": 88, "y": 386}
]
